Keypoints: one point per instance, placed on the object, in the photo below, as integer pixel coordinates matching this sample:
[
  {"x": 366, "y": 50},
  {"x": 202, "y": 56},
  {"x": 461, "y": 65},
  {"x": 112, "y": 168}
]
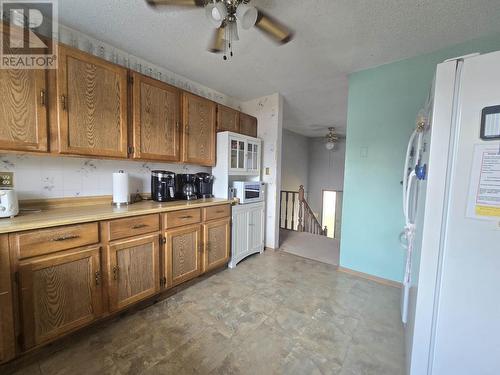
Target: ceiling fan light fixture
[
  {"x": 330, "y": 145},
  {"x": 247, "y": 15},
  {"x": 233, "y": 31},
  {"x": 216, "y": 13}
]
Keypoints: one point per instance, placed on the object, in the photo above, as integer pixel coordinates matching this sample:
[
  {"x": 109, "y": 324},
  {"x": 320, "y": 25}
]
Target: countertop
[{"x": 51, "y": 217}]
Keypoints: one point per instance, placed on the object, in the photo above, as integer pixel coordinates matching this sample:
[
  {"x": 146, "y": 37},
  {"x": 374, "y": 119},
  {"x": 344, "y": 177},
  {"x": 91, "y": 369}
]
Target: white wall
[
  {"x": 269, "y": 113},
  {"x": 326, "y": 171},
  {"x": 295, "y": 161},
  {"x": 37, "y": 177}
]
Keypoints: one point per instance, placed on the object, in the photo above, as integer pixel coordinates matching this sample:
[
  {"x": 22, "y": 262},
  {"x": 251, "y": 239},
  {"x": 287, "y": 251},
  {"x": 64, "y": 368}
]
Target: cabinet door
[
  {"x": 183, "y": 260},
  {"x": 156, "y": 113},
  {"x": 237, "y": 161},
  {"x": 59, "y": 293},
  {"x": 92, "y": 105},
  {"x": 199, "y": 121},
  {"x": 23, "y": 110},
  {"x": 239, "y": 233},
  {"x": 248, "y": 125},
  {"x": 7, "y": 340},
  {"x": 256, "y": 229},
  {"x": 228, "y": 119},
  {"x": 216, "y": 245},
  {"x": 253, "y": 157},
  {"x": 134, "y": 270}
]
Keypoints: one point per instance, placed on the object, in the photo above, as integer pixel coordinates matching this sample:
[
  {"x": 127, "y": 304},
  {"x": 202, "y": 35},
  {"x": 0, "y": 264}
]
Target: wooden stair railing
[{"x": 306, "y": 220}]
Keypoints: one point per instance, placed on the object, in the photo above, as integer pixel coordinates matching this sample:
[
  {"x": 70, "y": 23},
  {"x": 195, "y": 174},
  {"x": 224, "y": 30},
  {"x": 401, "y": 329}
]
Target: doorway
[{"x": 331, "y": 212}]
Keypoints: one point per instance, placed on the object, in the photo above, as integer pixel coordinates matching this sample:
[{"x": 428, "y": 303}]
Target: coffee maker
[
  {"x": 186, "y": 186},
  {"x": 163, "y": 186},
  {"x": 205, "y": 183}
]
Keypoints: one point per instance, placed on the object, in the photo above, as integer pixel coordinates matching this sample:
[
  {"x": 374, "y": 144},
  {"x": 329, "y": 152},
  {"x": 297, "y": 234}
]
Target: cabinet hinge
[
  {"x": 130, "y": 150},
  {"x": 16, "y": 277},
  {"x": 131, "y": 80},
  {"x": 163, "y": 281}
]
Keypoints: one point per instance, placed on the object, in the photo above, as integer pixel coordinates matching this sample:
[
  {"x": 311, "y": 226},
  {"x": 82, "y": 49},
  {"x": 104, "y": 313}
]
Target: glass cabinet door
[
  {"x": 252, "y": 157},
  {"x": 238, "y": 152},
  {"x": 234, "y": 154},
  {"x": 241, "y": 154}
]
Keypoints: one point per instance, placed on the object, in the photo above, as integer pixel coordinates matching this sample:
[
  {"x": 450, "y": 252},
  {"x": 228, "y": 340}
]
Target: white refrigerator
[{"x": 451, "y": 299}]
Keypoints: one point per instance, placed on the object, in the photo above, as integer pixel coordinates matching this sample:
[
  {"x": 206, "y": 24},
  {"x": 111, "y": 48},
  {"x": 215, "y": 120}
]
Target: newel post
[{"x": 300, "y": 227}]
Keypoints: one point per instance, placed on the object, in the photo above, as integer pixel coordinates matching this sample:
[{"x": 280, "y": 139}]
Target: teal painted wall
[{"x": 382, "y": 108}]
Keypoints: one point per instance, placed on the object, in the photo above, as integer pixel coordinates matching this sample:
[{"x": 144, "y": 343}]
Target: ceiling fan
[
  {"x": 333, "y": 138},
  {"x": 227, "y": 15}
]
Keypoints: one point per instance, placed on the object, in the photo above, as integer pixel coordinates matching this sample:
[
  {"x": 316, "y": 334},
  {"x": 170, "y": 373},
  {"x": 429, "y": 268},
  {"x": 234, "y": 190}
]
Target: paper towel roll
[{"x": 120, "y": 188}]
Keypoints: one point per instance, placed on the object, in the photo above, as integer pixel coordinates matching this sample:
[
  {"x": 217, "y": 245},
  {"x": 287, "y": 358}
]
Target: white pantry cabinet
[{"x": 248, "y": 222}]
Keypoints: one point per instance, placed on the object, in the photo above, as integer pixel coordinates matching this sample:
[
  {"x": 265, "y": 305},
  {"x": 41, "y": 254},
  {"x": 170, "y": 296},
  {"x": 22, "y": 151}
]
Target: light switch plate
[
  {"x": 6, "y": 180},
  {"x": 268, "y": 171},
  {"x": 363, "y": 152}
]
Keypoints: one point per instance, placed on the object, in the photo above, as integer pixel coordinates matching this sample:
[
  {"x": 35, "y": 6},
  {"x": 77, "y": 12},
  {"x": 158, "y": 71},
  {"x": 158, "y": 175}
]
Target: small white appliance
[
  {"x": 451, "y": 199},
  {"x": 249, "y": 191},
  {"x": 9, "y": 206}
]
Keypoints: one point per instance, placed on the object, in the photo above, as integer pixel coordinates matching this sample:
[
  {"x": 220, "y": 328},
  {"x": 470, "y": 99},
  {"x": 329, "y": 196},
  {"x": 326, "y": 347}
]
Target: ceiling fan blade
[
  {"x": 190, "y": 3},
  {"x": 217, "y": 43},
  {"x": 273, "y": 28}
]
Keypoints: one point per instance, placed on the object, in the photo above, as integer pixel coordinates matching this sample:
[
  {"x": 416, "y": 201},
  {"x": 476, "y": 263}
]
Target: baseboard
[
  {"x": 270, "y": 248},
  {"x": 379, "y": 280}
]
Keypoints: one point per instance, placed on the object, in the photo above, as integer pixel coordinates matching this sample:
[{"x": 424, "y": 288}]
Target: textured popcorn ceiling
[{"x": 333, "y": 38}]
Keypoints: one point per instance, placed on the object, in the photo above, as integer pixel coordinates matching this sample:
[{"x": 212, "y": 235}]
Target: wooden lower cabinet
[
  {"x": 7, "y": 338},
  {"x": 134, "y": 270},
  {"x": 216, "y": 243},
  {"x": 183, "y": 254},
  {"x": 58, "y": 293}
]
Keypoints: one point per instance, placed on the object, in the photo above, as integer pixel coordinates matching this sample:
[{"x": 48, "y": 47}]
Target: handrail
[{"x": 306, "y": 219}]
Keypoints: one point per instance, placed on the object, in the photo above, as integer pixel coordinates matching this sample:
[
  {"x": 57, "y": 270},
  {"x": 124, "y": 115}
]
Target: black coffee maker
[
  {"x": 186, "y": 186},
  {"x": 163, "y": 186},
  {"x": 205, "y": 185}
]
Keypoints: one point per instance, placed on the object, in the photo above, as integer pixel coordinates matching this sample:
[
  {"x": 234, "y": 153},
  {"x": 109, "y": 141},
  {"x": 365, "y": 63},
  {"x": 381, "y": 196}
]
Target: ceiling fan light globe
[
  {"x": 330, "y": 145},
  {"x": 247, "y": 15},
  {"x": 216, "y": 13}
]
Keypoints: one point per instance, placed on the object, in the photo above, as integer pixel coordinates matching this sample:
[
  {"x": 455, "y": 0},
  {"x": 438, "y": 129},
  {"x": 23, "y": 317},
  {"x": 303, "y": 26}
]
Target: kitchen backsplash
[{"x": 37, "y": 177}]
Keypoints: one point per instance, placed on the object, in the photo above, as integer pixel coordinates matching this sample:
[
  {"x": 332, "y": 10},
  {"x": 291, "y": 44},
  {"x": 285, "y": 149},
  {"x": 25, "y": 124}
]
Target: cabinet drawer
[
  {"x": 133, "y": 226},
  {"x": 216, "y": 212},
  {"x": 183, "y": 217},
  {"x": 46, "y": 241}
]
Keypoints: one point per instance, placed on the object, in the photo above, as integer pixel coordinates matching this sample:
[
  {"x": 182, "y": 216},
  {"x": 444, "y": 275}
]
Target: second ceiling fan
[{"x": 227, "y": 15}]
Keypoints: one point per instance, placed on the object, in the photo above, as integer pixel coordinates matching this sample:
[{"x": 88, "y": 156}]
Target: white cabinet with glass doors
[{"x": 244, "y": 155}]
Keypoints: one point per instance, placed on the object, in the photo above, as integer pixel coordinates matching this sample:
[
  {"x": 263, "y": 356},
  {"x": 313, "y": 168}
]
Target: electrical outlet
[{"x": 6, "y": 180}]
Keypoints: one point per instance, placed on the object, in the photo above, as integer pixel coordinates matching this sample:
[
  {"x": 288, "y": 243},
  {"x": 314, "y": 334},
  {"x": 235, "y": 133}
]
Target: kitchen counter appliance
[
  {"x": 186, "y": 186},
  {"x": 204, "y": 185},
  {"x": 249, "y": 191},
  {"x": 163, "y": 186}
]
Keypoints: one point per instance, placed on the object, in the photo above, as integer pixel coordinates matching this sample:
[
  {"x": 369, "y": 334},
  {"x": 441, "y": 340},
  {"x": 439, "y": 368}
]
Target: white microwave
[{"x": 249, "y": 191}]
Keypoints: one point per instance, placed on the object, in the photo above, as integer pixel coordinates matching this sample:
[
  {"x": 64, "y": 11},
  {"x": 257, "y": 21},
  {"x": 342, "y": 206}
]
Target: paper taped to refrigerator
[{"x": 484, "y": 196}]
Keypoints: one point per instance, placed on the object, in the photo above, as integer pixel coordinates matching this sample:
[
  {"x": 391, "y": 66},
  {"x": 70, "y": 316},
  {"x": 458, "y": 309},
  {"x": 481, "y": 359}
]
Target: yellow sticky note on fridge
[{"x": 487, "y": 211}]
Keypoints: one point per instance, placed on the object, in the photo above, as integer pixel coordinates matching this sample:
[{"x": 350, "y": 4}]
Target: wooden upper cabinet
[
  {"x": 59, "y": 293},
  {"x": 7, "y": 339},
  {"x": 228, "y": 119},
  {"x": 156, "y": 116},
  {"x": 91, "y": 105},
  {"x": 248, "y": 125},
  {"x": 23, "y": 110},
  {"x": 134, "y": 270},
  {"x": 199, "y": 122}
]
